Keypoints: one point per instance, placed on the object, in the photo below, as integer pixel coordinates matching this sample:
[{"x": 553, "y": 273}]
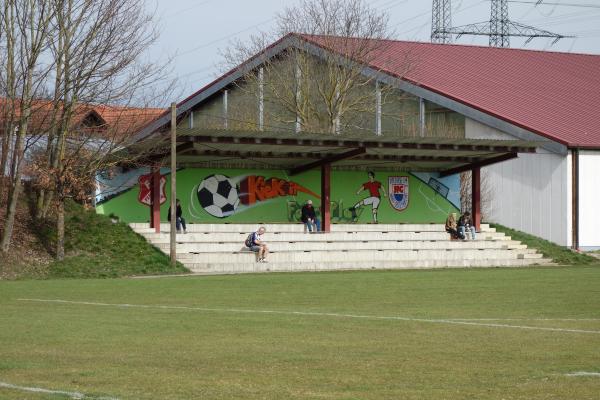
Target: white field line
[
  {"x": 314, "y": 314},
  {"x": 584, "y": 373},
  {"x": 72, "y": 395},
  {"x": 523, "y": 319}
]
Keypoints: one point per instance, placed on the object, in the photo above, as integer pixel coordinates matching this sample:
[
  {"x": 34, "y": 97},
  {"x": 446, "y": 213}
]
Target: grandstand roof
[{"x": 551, "y": 94}]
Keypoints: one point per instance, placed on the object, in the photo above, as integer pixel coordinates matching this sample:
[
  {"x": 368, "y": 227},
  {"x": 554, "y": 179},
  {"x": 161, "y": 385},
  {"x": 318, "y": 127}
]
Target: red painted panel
[{"x": 476, "y": 197}]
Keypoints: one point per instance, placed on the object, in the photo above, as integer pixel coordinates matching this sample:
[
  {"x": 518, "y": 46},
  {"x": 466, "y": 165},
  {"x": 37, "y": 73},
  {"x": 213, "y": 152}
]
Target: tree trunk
[
  {"x": 3, "y": 161},
  {"x": 47, "y": 204},
  {"x": 10, "y": 218},
  {"x": 39, "y": 204},
  {"x": 17, "y": 161},
  {"x": 9, "y": 87},
  {"x": 60, "y": 230},
  {"x": 13, "y": 198}
]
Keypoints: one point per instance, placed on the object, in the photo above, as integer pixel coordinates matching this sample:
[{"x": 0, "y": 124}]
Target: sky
[{"x": 194, "y": 33}]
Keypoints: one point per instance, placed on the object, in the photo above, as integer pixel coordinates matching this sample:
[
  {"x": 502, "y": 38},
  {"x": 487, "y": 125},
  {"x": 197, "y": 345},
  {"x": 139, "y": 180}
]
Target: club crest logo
[
  {"x": 398, "y": 187},
  {"x": 145, "y": 194}
]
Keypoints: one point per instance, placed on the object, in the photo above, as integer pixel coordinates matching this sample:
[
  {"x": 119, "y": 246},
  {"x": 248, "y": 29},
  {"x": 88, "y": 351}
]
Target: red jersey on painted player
[{"x": 375, "y": 189}]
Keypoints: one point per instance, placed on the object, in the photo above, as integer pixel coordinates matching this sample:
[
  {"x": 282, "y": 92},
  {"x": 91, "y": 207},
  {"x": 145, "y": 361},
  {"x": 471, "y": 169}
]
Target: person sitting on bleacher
[
  {"x": 255, "y": 243},
  {"x": 465, "y": 224},
  {"x": 451, "y": 227},
  {"x": 309, "y": 217}
]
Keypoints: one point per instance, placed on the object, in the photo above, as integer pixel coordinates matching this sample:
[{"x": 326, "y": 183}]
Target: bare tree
[
  {"x": 79, "y": 54},
  {"x": 28, "y": 23},
  {"x": 486, "y": 193},
  {"x": 311, "y": 89},
  {"x": 98, "y": 58}
]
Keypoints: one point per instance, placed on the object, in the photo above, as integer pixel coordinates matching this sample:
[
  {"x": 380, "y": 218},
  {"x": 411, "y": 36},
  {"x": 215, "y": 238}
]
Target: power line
[
  {"x": 173, "y": 14},
  {"x": 224, "y": 37},
  {"x": 428, "y": 12},
  {"x": 544, "y": 3},
  {"x": 197, "y": 71}
]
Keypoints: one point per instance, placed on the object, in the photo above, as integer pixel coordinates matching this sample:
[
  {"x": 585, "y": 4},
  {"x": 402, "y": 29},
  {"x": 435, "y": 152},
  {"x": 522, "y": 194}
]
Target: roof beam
[
  {"x": 328, "y": 160},
  {"x": 478, "y": 164},
  {"x": 410, "y": 158},
  {"x": 340, "y": 143},
  {"x": 254, "y": 154},
  {"x": 329, "y": 156},
  {"x": 182, "y": 148}
]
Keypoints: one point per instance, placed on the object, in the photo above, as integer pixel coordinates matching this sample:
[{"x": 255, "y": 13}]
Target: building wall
[
  {"x": 589, "y": 193},
  {"x": 531, "y": 193},
  {"x": 399, "y": 110}
]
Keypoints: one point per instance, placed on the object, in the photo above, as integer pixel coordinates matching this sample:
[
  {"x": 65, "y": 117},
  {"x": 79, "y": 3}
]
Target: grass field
[{"x": 442, "y": 334}]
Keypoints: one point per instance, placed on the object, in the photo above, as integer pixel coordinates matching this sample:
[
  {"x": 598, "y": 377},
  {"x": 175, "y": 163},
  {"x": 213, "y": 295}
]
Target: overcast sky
[{"x": 195, "y": 31}]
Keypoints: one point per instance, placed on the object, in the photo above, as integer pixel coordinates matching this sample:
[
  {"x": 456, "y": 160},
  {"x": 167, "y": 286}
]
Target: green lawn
[
  {"x": 559, "y": 254},
  {"x": 324, "y": 342},
  {"x": 98, "y": 248}
]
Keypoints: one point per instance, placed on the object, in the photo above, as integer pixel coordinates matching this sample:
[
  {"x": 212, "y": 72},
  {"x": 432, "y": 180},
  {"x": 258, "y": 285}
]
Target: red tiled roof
[
  {"x": 553, "y": 94},
  {"x": 120, "y": 121},
  {"x": 127, "y": 120}
]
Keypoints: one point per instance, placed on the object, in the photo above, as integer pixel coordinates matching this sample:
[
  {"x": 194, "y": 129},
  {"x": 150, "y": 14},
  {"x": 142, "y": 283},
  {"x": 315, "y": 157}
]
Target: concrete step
[
  {"x": 219, "y": 248},
  {"x": 254, "y": 267},
  {"x": 436, "y": 227},
  {"x": 207, "y": 247},
  {"x": 164, "y": 237},
  {"x": 298, "y": 227},
  {"x": 356, "y": 255},
  {"x": 533, "y": 255}
]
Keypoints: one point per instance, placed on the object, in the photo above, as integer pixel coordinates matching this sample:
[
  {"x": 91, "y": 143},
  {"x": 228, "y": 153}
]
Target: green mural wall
[{"x": 253, "y": 196}]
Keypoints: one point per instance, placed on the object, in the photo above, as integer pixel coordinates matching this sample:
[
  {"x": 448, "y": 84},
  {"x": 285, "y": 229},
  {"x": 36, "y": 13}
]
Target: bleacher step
[
  {"x": 207, "y": 247},
  {"x": 254, "y": 267},
  {"x": 355, "y": 255},
  {"x": 219, "y": 248}
]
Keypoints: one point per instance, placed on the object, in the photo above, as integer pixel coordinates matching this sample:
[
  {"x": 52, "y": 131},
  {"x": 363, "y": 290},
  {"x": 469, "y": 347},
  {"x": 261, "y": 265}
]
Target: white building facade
[{"x": 541, "y": 195}]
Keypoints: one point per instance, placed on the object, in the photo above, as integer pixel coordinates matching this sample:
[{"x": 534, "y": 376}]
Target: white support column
[
  {"x": 191, "y": 120},
  {"x": 225, "y": 109},
  {"x": 261, "y": 99},
  {"x": 338, "y": 125},
  {"x": 377, "y": 108},
  {"x": 421, "y": 117}
]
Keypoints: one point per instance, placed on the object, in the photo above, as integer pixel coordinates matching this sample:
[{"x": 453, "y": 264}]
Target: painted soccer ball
[{"x": 218, "y": 195}]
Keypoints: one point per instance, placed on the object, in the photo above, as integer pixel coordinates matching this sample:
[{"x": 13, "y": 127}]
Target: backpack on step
[{"x": 249, "y": 240}]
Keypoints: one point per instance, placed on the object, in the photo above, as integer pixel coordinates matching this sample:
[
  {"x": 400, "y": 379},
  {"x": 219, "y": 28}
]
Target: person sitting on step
[
  {"x": 179, "y": 220},
  {"x": 258, "y": 245},
  {"x": 451, "y": 227},
  {"x": 309, "y": 218},
  {"x": 465, "y": 224}
]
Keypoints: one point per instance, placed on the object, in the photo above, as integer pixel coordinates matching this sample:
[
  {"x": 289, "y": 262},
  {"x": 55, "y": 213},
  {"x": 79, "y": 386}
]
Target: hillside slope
[{"x": 95, "y": 247}]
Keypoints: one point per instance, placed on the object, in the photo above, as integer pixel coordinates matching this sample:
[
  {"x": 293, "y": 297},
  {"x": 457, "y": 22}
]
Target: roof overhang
[{"x": 299, "y": 152}]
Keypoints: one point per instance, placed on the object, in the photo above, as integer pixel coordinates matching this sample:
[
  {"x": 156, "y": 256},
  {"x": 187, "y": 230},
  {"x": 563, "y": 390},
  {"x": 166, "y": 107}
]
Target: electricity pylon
[
  {"x": 499, "y": 28},
  {"x": 441, "y": 21}
]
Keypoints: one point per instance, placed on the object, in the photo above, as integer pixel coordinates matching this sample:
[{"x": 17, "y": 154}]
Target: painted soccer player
[{"x": 374, "y": 187}]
